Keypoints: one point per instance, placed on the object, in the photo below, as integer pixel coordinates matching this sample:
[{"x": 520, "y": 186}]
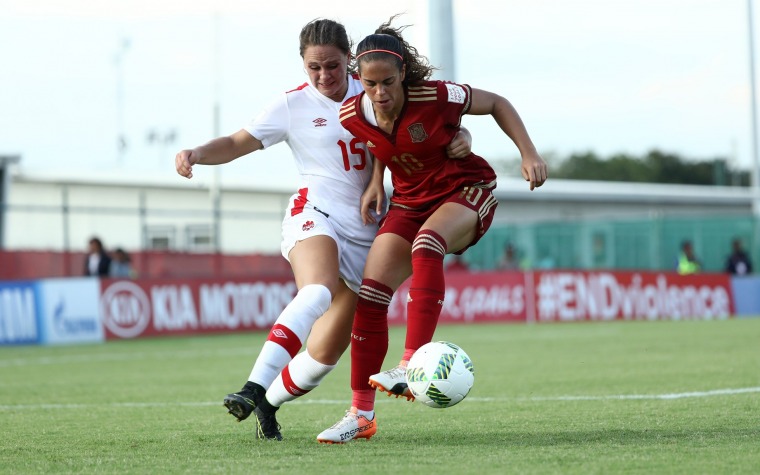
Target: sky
[{"x": 604, "y": 76}]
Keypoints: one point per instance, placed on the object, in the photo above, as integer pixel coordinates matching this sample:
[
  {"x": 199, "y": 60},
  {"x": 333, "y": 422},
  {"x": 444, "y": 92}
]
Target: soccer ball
[{"x": 440, "y": 374}]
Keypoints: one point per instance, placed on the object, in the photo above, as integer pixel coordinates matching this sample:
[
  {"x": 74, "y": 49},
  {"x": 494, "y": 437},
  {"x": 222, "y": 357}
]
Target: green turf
[{"x": 154, "y": 406}]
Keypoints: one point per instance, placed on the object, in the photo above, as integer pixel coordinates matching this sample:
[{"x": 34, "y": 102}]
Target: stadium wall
[
  {"x": 650, "y": 243},
  {"x": 746, "y": 291},
  {"x": 90, "y": 310},
  {"x": 141, "y": 212},
  {"x": 17, "y": 265}
]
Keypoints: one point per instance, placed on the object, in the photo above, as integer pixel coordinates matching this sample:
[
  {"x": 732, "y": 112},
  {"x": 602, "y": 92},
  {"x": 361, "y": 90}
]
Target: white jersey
[{"x": 334, "y": 166}]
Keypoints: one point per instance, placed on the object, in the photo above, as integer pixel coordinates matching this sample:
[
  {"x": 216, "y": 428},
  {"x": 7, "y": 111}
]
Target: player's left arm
[
  {"x": 533, "y": 167},
  {"x": 461, "y": 145}
]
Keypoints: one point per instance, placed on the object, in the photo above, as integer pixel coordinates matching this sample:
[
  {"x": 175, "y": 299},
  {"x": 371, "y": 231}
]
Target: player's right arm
[
  {"x": 374, "y": 194},
  {"x": 217, "y": 151}
]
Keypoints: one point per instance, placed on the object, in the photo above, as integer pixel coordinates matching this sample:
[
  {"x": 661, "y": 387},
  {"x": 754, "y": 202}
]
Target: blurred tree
[{"x": 655, "y": 167}]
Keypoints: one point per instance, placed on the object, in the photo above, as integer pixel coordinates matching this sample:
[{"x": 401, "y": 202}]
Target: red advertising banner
[
  {"x": 576, "y": 296},
  {"x": 131, "y": 309},
  {"x": 473, "y": 297}
]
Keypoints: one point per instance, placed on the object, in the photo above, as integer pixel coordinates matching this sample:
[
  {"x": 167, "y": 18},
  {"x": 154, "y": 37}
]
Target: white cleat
[
  {"x": 349, "y": 428},
  {"x": 392, "y": 382}
]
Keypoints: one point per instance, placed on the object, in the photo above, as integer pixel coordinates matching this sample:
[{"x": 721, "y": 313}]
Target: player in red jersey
[{"x": 438, "y": 206}]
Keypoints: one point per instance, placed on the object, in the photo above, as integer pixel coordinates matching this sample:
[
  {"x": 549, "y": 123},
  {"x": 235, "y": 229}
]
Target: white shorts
[{"x": 352, "y": 255}]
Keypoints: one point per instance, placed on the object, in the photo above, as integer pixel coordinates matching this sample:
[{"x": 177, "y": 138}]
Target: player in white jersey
[
  {"x": 335, "y": 168},
  {"x": 325, "y": 238}
]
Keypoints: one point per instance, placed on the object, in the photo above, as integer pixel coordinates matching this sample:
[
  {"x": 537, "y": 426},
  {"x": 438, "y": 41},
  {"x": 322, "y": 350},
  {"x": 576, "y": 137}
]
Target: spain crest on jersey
[{"x": 417, "y": 132}]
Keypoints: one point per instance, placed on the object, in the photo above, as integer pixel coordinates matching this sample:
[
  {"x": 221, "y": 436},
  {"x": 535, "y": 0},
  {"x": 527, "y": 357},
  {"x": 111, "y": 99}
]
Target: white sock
[
  {"x": 368, "y": 414},
  {"x": 299, "y": 377},
  {"x": 289, "y": 332},
  {"x": 269, "y": 363}
]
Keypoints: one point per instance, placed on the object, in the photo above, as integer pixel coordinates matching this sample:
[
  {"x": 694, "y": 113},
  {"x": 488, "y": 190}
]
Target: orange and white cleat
[
  {"x": 351, "y": 427},
  {"x": 392, "y": 382}
]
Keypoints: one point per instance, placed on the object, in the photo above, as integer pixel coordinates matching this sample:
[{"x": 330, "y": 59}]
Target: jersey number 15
[{"x": 354, "y": 151}]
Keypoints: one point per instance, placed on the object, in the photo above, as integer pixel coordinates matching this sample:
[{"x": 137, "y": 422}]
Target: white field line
[
  {"x": 714, "y": 392},
  {"x": 128, "y": 356},
  {"x": 618, "y": 397}
]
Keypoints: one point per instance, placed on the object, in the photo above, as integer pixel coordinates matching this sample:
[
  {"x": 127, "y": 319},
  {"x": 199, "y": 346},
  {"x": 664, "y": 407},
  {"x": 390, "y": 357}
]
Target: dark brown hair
[
  {"x": 322, "y": 32},
  {"x": 388, "y": 38}
]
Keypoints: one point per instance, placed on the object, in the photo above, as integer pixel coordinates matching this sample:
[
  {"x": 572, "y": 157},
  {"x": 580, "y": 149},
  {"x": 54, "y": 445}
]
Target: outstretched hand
[
  {"x": 183, "y": 162},
  {"x": 534, "y": 170}
]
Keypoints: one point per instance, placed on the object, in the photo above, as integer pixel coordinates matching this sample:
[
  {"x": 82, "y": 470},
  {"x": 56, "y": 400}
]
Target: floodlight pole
[
  {"x": 215, "y": 191},
  {"x": 442, "y": 39},
  {"x": 121, "y": 143},
  {"x": 755, "y": 175}
]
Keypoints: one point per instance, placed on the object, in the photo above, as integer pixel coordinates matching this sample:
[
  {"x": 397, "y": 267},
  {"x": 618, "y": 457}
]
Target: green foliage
[
  {"x": 544, "y": 401},
  {"x": 654, "y": 167}
]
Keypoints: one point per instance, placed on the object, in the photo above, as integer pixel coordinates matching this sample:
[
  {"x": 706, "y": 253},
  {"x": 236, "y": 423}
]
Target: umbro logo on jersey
[
  {"x": 320, "y": 122},
  {"x": 370, "y": 144},
  {"x": 279, "y": 333},
  {"x": 307, "y": 225}
]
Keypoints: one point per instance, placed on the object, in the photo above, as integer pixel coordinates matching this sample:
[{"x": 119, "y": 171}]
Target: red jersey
[{"x": 415, "y": 152}]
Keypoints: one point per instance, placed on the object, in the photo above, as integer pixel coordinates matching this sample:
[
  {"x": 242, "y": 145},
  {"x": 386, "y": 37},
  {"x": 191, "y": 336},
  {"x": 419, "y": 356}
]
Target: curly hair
[
  {"x": 388, "y": 38},
  {"x": 323, "y": 32}
]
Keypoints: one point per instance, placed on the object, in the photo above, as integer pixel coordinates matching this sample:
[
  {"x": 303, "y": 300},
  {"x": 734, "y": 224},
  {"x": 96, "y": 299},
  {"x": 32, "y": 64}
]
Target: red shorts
[{"x": 407, "y": 222}]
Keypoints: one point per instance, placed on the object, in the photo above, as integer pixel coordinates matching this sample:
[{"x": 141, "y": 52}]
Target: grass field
[{"x": 626, "y": 397}]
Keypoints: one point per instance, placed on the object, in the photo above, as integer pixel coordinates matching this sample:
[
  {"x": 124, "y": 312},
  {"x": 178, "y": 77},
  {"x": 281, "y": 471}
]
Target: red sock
[
  {"x": 364, "y": 399},
  {"x": 427, "y": 289},
  {"x": 369, "y": 338}
]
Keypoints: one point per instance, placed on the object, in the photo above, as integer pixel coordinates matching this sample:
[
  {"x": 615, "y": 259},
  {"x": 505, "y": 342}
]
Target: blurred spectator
[
  {"x": 456, "y": 264},
  {"x": 687, "y": 261},
  {"x": 121, "y": 265},
  {"x": 546, "y": 261},
  {"x": 97, "y": 262},
  {"x": 509, "y": 260},
  {"x": 738, "y": 263}
]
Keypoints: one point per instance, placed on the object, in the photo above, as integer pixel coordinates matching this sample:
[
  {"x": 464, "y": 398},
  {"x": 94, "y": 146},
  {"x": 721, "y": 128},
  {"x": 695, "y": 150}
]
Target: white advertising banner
[{"x": 69, "y": 311}]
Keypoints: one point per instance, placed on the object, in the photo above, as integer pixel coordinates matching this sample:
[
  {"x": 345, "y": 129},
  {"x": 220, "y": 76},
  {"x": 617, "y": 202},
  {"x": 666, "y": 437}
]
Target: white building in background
[
  {"x": 142, "y": 211},
  {"x": 56, "y": 212}
]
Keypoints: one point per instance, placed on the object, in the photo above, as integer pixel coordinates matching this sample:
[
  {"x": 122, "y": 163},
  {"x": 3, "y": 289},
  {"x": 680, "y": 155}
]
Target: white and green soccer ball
[{"x": 440, "y": 374}]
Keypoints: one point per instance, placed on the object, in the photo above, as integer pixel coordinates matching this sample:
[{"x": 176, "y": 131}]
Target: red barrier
[
  {"x": 149, "y": 307},
  {"x": 572, "y": 296},
  {"x": 473, "y": 297},
  {"x": 130, "y": 309},
  {"x": 27, "y": 265}
]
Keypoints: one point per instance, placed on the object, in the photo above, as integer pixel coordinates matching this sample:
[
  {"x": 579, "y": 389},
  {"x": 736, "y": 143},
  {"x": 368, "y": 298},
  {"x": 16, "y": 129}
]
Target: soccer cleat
[
  {"x": 267, "y": 427},
  {"x": 242, "y": 403},
  {"x": 349, "y": 428},
  {"x": 392, "y": 382}
]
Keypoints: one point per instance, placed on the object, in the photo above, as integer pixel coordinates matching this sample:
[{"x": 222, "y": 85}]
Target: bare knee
[{"x": 331, "y": 333}]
